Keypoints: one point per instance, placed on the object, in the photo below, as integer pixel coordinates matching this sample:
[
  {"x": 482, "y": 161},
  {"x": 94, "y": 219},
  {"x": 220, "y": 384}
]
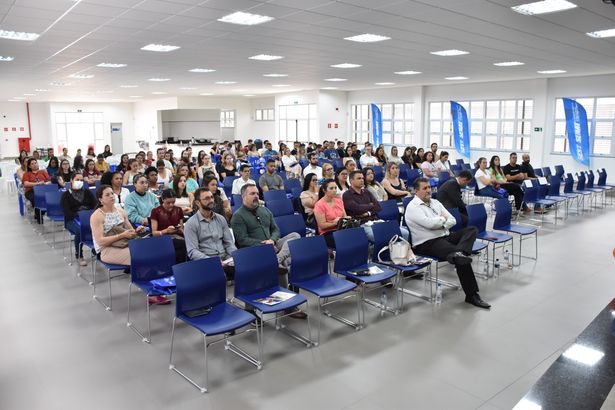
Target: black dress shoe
[
  {"x": 458, "y": 258},
  {"x": 477, "y": 301},
  {"x": 297, "y": 314}
]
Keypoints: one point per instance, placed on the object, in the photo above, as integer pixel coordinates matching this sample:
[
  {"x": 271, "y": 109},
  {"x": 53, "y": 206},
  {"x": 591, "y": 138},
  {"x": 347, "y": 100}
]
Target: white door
[{"x": 117, "y": 144}]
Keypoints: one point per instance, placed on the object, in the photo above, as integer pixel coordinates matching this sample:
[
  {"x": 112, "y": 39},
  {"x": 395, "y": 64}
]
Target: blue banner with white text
[
  {"x": 578, "y": 134},
  {"x": 461, "y": 129},
  {"x": 376, "y": 125}
]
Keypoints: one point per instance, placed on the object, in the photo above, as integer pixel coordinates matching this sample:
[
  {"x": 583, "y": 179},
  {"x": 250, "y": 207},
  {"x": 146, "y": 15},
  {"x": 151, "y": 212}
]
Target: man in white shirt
[
  {"x": 429, "y": 223},
  {"x": 244, "y": 178},
  {"x": 160, "y": 157},
  {"x": 313, "y": 167},
  {"x": 367, "y": 159}
]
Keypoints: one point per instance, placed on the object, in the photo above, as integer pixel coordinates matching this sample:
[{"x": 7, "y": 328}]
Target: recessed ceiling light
[
  {"x": 281, "y": 85},
  {"x": 248, "y": 95},
  {"x": 346, "y": 65},
  {"x": 111, "y": 65},
  {"x": 7, "y": 58},
  {"x": 329, "y": 88},
  {"x": 18, "y": 35},
  {"x": 407, "y": 72},
  {"x": 238, "y": 90},
  {"x": 187, "y": 88},
  {"x": 367, "y": 38},
  {"x": 225, "y": 82},
  {"x": 158, "y": 92},
  {"x": 448, "y": 53},
  {"x": 19, "y": 98},
  {"x": 81, "y": 76},
  {"x": 13, "y": 100},
  {"x": 201, "y": 70},
  {"x": 456, "y": 78},
  {"x": 162, "y": 48},
  {"x": 128, "y": 86},
  {"x": 508, "y": 63},
  {"x": 551, "y": 72},
  {"x": 159, "y": 79},
  {"x": 104, "y": 91},
  {"x": 135, "y": 96},
  {"x": 41, "y": 90},
  {"x": 384, "y": 83},
  {"x": 583, "y": 354},
  {"x": 275, "y": 75},
  {"x": 206, "y": 94},
  {"x": 542, "y": 7},
  {"x": 335, "y": 79},
  {"x": 265, "y": 57},
  {"x": 29, "y": 94},
  {"x": 602, "y": 33},
  {"x": 245, "y": 19},
  {"x": 58, "y": 84}
]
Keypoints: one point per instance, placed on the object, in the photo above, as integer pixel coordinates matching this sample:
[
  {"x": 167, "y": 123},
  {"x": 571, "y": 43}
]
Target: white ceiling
[{"x": 308, "y": 33}]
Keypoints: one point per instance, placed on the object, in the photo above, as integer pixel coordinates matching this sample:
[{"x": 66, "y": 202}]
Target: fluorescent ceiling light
[
  {"x": 238, "y": 90},
  {"x": 448, "y": 53},
  {"x": 7, "y": 58},
  {"x": 407, "y": 72},
  {"x": 187, "y": 88},
  {"x": 583, "y": 354},
  {"x": 135, "y": 96},
  {"x": 551, "y": 72},
  {"x": 41, "y": 90},
  {"x": 281, "y": 85},
  {"x": 346, "y": 65},
  {"x": 335, "y": 79},
  {"x": 18, "y": 35},
  {"x": 19, "y": 98},
  {"x": 201, "y": 70},
  {"x": 367, "y": 38},
  {"x": 158, "y": 92},
  {"x": 602, "y": 33},
  {"x": 245, "y": 19},
  {"x": 81, "y": 76},
  {"x": 111, "y": 65},
  {"x": 330, "y": 88},
  {"x": 508, "y": 63},
  {"x": 225, "y": 82},
  {"x": 159, "y": 79},
  {"x": 456, "y": 78},
  {"x": 265, "y": 57},
  {"x": 58, "y": 84},
  {"x": 128, "y": 86},
  {"x": 29, "y": 94},
  {"x": 162, "y": 48},
  {"x": 384, "y": 83},
  {"x": 206, "y": 94},
  {"x": 542, "y": 7},
  {"x": 104, "y": 91},
  {"x": 249, "y": 95},
  {"x": 275, "y": 75}
]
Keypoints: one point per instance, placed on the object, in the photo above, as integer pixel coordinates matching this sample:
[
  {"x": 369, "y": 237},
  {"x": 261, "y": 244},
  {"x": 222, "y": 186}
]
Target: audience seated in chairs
[
  {"x": 341, "y": 179},
  {"x": 360, "y": 203},
  {"x": 152, "y": 180},
  {"x": 429, "y": 224},
  {"x": 101, "y": 165},
  {"x": 393, "y": 184},
  {"x": 226, "y": 167},
  {"x": 270, "y": 180},
  {"x": 309, "y": 197},
  {"x": 328, "y": 211},
  {"x": 244, "y": 178},
  {"x": 90, "y": 173},
  {"x": 510, "y": 187},
  {"x": 73, "y": 200},
  {"x": 450, "y": 196},
  {"x": 222, "y": 204},
  {"x": 31, "y": 178},
  {"x": 207, "y": 233},
  {"x": 312, "y": 167},
  {"x": 168, "y": 219},
  {"x": 191, "y": 184},
  {"x": 65, "y": 174},
  {"x": 114, "y": 179},
  {"x": 443, "y": 164},
  {"x": 139, "y": 204},
  {"x": 131, "y": 172},
  {"x": 373, "y": 186}
]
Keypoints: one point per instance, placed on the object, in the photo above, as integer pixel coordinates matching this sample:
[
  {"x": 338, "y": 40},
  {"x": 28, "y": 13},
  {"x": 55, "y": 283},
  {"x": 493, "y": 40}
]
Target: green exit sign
[{"x": 537, "y": 129}]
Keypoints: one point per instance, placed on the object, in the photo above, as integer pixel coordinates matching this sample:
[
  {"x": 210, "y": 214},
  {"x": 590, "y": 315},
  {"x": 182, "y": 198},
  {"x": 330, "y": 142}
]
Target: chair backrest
[
  {"x": 568, "y": 183},
  {"x": 556, "y": 182},
  {"x": 559, "y": 171},
  {"x": 477, "y": 217},
  {"x": 466, "y": 166},
  {"x": 200, "y": 283},
  {"x": 236, "y": 199},
  {"x": 459, "y": 162},
  {"x": 458, "y": 221},
  {"x": 383, "y": 232},
  {"x": 52, "y": 199},
  {"x": 290, "y": 223},
  {"x": 581, "y": 183},
  {"x": 85, "y": 229},
  {"x": 130, "y": 188},
  {"x": 274, "y": 195},
  {"x": 601, "y": 177},
  {"x": 256, "y": 269},
  {"x": 389, "y": 211},
  {"x": 151, "y": 258},
  {"x": 309, "y": 258},
  {"x": 337, "y": 164},
  {"x": 39, "y": 194},
  {"x": 590, "y": 179},
  {"x": 351, "y": 248},
  {"x": 291, "y": 185},
  {"x": 546, "y": 172},
  {"x": 443, "y": 176},
  {"x": 281, "y": 207},
  {"x": 228, "y": 181},
  {"x": 503, "y": 213},
  {"x": 378, "y": 173},
  {"x": 538, "y": 172},
  {"x": 413, "y": 174}
]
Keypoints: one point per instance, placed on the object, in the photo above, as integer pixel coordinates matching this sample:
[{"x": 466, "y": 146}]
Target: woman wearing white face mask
[{"x": 76, "y": 199}]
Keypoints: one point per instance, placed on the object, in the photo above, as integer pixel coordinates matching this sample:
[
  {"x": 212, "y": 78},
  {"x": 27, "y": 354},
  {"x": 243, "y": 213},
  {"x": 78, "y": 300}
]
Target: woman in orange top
[
  {"x": 31, "y": 178},
  {"x": 329, "y": 210}
]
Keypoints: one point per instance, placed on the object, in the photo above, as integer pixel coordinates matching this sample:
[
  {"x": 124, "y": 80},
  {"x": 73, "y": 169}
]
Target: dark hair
[
  {"x": 323, "y": 187},
  {"x": 87, "y": 163},
  {"x": 74, "y": 175},
  {"x": 198, "y": 192},
  {"x": 364, "y": 171},
  {"x": 28, "y": 168},
  {"x": 245, "y": 188},
  {"x": 512, "y": 153},
  {"x": 495, "y": 168},
  {"x": 166, "y": 194},
  {"x": 311, "y": 154},
  {"x": 55, "y": 159},
  {"x": 176, "y": 179},
  {"x": 244, "y": 166},
  {"x": 428, "y": 153},
  {"x": 78, "y": 162},
  {"x": 160, "y": 163},
  {"x": 465, "y": 174},
  {"x": 337, "y": 176},
  {"x": 354, "y": 173},
  {"x": 138, "y": 176},
  {"x": 270, "y": 160},
  {"x": 99, "y": 194},
  {"x": 481, "y": 159},
  {"x": 207, "y": 180},
  {"x": 307, "y": 180},
  {"x": 419, "y": 181},
  {"x": 107, "y": 177},
  {"x": 100, "y": 156},
  {"x": 443, "y": 153},
  {"x": 150, "y": 169}
]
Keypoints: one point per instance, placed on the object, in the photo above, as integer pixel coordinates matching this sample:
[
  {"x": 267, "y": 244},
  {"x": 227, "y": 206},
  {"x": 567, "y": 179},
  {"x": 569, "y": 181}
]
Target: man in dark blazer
[{"x": 449, "y": 194}]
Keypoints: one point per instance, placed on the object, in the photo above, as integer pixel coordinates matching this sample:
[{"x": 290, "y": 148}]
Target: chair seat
[
  {"x": 385, "y": 275},
  {"x": 545, "y": 202},
  {"x": 556, "y": 198},
  {"x": 222, "y": 318},
  {"x": 112, "y": 266},
  {"x": 478, "y": 246},
  {"x": 325, "y": 286},
  {"x": 583, "y": 192},
  {"x": 289, "y": 304},
  {"x": 518, "y": 229},
  {"x": 569, "y": 195},
  {"x": 596, "y": 190},
  {"x": 494, "y": 237},
  {"x": 149, "y": 289},
  {"x": 56, "y": 218}
]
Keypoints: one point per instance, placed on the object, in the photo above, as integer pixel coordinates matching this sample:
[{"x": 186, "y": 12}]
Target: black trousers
[
  {"x": 516, "y": 191},
  {"x": 460, "y": 241},
  {"x": 38, "y": 215}
]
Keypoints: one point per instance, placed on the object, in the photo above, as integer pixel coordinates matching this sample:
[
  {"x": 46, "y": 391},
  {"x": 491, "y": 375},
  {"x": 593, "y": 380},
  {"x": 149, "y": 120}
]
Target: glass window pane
[
  {"x": 386, "y": 138},
  {"x": 491, "y": 127},
  {"x": 398, "y": 111},
  {"x": 508, "y": 127},
  {"x": 523, "y": 143},
  {"x": 491, "y": 142},
  {"x": 559, "y": 109},
  {"x": 365, "y": 126},
  {"x": 602, "y": 146},
  {"x": 87, "y": 117},
  {"x": 60, "y": 117},
  {"x": 291, "y": 112},
  {"x": 604, "y": 129},
  {"x": 525, "y": 128},
  {"x": 313, "y": 113},
  {"x": 386, "y": 126},
  {"x": 508, "y": 108},
  {"x": 313, "y": 129},
  {"x": 259, "y": 115},
  {"x": 364, "y": 111},
  {"x": 525, "y": 109},
  {"x": 493, "y": 109},
  {"x": 398, "y": 126},
  {"x": 477, "y": 109},
  {"x": 435, "y": 138},
  {"x": 302, "y": 130},
  {"x": 559, "y": 145},
  {"x": 475, "y": 141},
  {"x": 435, "y": 110},
  {"x": 476, "y": 127},
  {"x": 506, "y": 143},
  {"x": 72, "y": 117},
  {"x": 588, "y": 104},
  {"x": 446, "y": 126},
  {"x": 303, "y": 111},
  {"x": 435, "y": 126},
  {"x": 605, "y": 108},
  {"x": 387, "y": 111},
  {"x": 61, "y": 132},
  {"x": 291, "y": 130},
  {"x": 447, "y": 140},
  {"x": 560, "y": 128},
  {"x": 409, "y": 128},
  {"x": 98, "y": 117},
  {"x": 446, "y": 110},
  {"x": 283, "y": 129},
  {"x": 409, "y": 111}
]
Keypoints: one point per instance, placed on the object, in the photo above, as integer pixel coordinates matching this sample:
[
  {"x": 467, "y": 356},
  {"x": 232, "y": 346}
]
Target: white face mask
[{"x": 76, "y": 185}]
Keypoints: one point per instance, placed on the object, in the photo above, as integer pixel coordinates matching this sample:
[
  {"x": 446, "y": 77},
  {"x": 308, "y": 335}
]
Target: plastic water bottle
[
  {"x": 439, "y": 294},
  {"x": 383, "y": 303},
  {"x": 496, "y": 265},
  {"x": 507, "y": 258}
]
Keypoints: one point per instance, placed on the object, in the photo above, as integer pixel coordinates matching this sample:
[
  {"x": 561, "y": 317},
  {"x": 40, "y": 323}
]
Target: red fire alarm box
[{"x": 24, "y": 144}]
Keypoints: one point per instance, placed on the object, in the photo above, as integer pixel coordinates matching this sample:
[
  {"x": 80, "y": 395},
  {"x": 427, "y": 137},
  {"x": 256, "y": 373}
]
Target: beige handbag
[
  {"x": 400, "y": 251},
  {"x": 117, "y": 230}
]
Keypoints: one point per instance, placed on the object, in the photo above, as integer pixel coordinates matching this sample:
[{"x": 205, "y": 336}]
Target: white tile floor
[{"x": 61, "y": 350}]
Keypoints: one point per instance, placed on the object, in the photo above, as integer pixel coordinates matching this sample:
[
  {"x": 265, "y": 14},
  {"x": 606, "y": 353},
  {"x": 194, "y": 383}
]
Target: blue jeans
[
  {"x": 490, "y": 192},
  {"x": 74, "y": 228}
]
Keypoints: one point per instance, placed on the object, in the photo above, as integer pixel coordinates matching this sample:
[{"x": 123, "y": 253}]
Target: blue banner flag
[
  {"x": 578, "y": 134},
  {"x": 376, "y": 125},
  {"x": 461, "y": 129}
]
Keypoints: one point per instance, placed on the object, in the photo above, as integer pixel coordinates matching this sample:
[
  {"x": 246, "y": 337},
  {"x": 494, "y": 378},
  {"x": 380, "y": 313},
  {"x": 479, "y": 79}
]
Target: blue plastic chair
[
  {"x": 478, "y": 246},
  {"x": 502, "y": 222},
  {"x": 309, "y": 271},
  {"x": 477, "y": 217},
  {"x": 559, "y": 171},
  {"x": 378, "y": 173},
  {"x": 201, "y": 288},
  {"x": 236, "y": 200},
  {"x": 538, "y": 172},
  {"x": 351, "y": 255},
  {"x": 85, "y": 233},
  {"x": 413, "y": 174},
  {"x": 150, "y": 259},
  {"x": 274, "y": 195},
  {"x": 39, "y": 198},
  {"x": 54, "y": 211},
  {"x": 109, "y": 267},
  {"x": 280, "y": 207},
  {"x": 130, "y": 188},
  {"x": 291, "y": 223},
  {"x": 291, "y": 185},
  {"x": 554, "y": 192},
  {"x": 389, "y": 211},
  {"x": 227, "y": 185},
  {"x": 256, "y": 277}
]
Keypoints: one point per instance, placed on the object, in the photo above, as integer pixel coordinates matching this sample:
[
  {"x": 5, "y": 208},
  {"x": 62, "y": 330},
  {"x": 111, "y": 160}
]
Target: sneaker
[
  {"x": 158, "y": 300},
  {"x": 83, "y": 262}
]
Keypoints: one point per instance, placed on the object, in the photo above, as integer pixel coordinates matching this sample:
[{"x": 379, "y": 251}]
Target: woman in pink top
[{"x": 329, "y": 210}]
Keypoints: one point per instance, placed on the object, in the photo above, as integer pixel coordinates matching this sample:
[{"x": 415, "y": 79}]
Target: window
[
  {"x": 264, "y": 114},
  {"x": 494, "y": 124},
  {"x": 298, "y": 122},
  {"x": 397, "y": 123},
  {"x": 79, "y": 130},
  {"x": 227, "y": 119},
  {"x": 600, "y": 124}
]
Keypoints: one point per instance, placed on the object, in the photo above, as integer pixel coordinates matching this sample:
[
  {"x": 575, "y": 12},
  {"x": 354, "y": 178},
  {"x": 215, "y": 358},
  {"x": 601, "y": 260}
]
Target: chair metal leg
[
  {"x": 129, "y": 323},
  {"x": 97, "y": 298}
]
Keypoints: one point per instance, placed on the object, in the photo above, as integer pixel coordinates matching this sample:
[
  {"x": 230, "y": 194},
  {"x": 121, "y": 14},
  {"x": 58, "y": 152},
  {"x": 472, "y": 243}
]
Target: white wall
[
  {"x": 333, "y": 109},
  {"x": 241, "y": 105},
  {"x": 147, "y": 121},
  {"x": 265, "y": 130},
  {"x": 12, "y": 115}
]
